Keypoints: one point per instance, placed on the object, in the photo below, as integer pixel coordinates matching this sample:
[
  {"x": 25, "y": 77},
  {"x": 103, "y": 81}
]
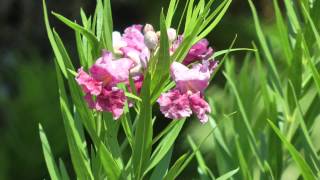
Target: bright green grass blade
[
  {"x": 228, "y": 175},
  {"x": 52, "y": 40},
  {"x": 315, "y": 74},
  {"x": 292, "y": 15},
  {"x": 143, "y": 134},
  {"x": 304, "y": 167},
  {"x": 183, "y": 161},
  {"x": 107, "y": 25},
  {"x": 85, "y": 115},
  {"x": 163, "y": 62},
  {"x": 283, "y": 32},
  {"x": 265, "y": 48},
  {"x": 304, "y": 128},
  {"x": 241, "y": 108},
  {"x": 111, "y": 167},
  {"x": 165, "y": 144},
  {"x": 223, "y": 52},
  {"x": 63, "y": 170},
  {"x": 202, "y": 164},
  {"x": 244, "y": 166},
  {"x": 172, "y": 173},
  {"x": 313, "y": 26},
  {"x": 80, "y": 49},
  {"x": 77, "y": 149},
  {"x": 51, "y": 164},
  {"x": 171, "y": 10},
  {"x": 99, "y": 19},
  {"x": 224, "y": 58},
  {"x": 162, "y": 167},
  {"x": 215, "y": 22},
  {"x": 91, "y": 37}
]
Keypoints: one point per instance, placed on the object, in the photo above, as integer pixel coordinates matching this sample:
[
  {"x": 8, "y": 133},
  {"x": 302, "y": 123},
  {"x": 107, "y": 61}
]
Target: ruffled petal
[
  {"x": 174, "y": 105},
  {"x": 109, "y": 71},
  {"x": 89, "y": 85},
  {"x": 111, "y": 100},
  {"x": 199, "y": 106},
  {"x": 199, "y": 51},
  {"x": 194, "y": 79}
]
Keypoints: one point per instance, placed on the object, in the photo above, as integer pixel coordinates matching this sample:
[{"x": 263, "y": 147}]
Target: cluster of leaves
[
  {"x": 96, "y": 148},
  {"x": 267, "y": 116}
]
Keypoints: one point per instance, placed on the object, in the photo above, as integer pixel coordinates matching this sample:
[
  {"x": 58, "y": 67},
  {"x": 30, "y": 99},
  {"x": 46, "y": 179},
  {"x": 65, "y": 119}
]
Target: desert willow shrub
[
  {"x": 267, "y": 116},
  {"x": 122, "y": 76}
]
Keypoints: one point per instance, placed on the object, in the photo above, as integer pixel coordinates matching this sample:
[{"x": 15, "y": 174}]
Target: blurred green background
[{"x": 28, "y": 89}]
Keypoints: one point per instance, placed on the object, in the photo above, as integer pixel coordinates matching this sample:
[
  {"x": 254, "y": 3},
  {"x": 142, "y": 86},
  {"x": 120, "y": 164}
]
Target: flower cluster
[{"x": 132, "y": 51}]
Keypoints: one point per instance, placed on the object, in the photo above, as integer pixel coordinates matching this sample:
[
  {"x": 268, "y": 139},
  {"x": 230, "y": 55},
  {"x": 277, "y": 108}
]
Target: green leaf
[
  {"x": 223, "y": 52},
  {"x": 143, "y": 134},
  {"x": 283, "y": 33},
  {"x": 77, "y": 149},
  {"x": 174, "y": 170},
  {"x": 202, "y": 164},
  {"x": 162, "y": 167},
  {"x": 51, "y": 164},
  {"x": 52, "y": 41},
  {"x": 265, "y": 48},
  {"x": 304, "y": 167},
  {"x": 228, "y": 175},
  {"x": 107, "y": 25},
  {"x": 111, "y": 167},
  {"x": 165, "y": 144},
  {"x": 91, "y": 37},
  {"x": 63, "y": 170},
  {"x": 163, "y": 62}
]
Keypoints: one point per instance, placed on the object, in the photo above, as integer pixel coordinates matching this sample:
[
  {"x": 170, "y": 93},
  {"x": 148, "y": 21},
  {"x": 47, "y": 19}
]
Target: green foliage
[
  {"x": 102, "y": 156},
  {"x": 284, "y": 89}
]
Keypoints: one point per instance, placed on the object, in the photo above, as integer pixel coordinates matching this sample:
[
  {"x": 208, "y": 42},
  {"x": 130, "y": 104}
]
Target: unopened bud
[
  {"x": 147, "y": 28},
  {"x": 151, "y": 39},
  {"x": 172, "y": 34}
]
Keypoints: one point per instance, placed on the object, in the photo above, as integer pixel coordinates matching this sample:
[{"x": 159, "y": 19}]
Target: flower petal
[
  {"x": 109, "y": 71},
  {"x": 199, "y": 106},
  {"x": 111, "y": 100},
  {"x": 174, "y": 105},
  {"x": 88, "y": 84},
  {"x": 194, "y": 79},
  {"x": 199, "y": 51}
]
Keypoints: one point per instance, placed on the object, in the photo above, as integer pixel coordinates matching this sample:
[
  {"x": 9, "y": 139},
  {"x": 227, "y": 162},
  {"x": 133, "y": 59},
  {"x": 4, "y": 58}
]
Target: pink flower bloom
[
  {"x": 199, "y": 51},
  {"x": 100, "y": 86},
  {"x": 187, "y": 97},
  {"x": 199, "y": 106},
  {"x": 109, "y": 71},
  {"x": 174, "y": 104},
  {"x": 135, "y": 48},
  {"x": 111, "y": 100},
  {"x": 194, "y": 79},
  {"x": 89, "y": 85},
  {"x": 133, "y": 37}
]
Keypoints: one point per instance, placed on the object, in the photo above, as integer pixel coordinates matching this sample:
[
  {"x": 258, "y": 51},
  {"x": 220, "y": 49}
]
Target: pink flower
[
  {"x": 111, "y": 72},
  {"x": 199, "y": 106},
  {"x": 187, "y": 97},
  {"x": 100, "y": 86},
  {"x": 199, "y": 51},
  {"x": 89, "y": 85},
  {"x": 174, "y": 104},
  {"x": 134, "y": 47},
  {"x": 111, "y": 100},
  {"x": 194, "y": 79}
]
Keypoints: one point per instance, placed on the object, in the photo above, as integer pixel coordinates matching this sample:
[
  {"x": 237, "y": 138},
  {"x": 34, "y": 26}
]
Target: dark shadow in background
[{"x": 28, "y": 90}]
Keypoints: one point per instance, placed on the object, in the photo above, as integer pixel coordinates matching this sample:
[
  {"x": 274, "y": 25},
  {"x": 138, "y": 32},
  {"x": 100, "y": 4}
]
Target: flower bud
[
  {"x": 147, "y": 28},
  {"x": 172, "y": 34},
  {"x": 151, "y": 39}
]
